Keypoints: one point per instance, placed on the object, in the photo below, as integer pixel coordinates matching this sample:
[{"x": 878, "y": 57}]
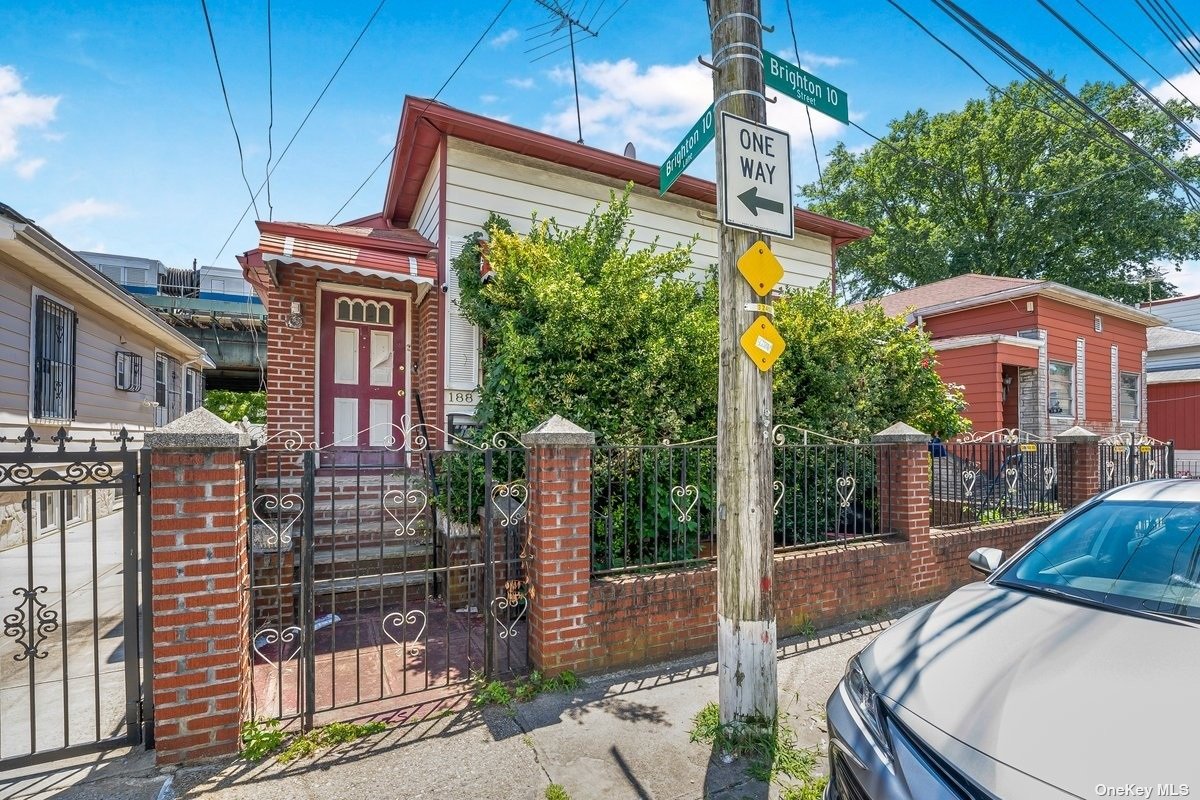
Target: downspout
[{"x": 835, "y": 245}]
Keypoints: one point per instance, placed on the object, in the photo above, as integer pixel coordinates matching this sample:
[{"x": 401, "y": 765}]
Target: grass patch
[
  {"x": 555, "y": 791},
  {"x": 498, "y": 693},
  {"x": 261, "y": 738},
  {"x": 770, "y": 749}
]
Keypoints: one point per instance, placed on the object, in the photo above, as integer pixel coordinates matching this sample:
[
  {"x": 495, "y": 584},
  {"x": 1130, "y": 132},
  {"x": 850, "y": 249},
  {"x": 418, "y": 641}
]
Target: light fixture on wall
[
  {"x": 1005, "y": 383},
  {"x": 295, "y": 319}
]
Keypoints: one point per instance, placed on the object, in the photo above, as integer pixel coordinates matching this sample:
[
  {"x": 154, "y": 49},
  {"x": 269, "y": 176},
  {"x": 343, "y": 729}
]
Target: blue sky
[{"x": 113, "y": 132}]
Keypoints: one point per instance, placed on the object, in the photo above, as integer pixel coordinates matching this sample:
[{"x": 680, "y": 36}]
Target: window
[
  {"x": 167, "y": 389},
  {"x": 47, "y": 510},
  {"x": 129, "y": 371},
  {"x": 217, "y": 286},
  {"x": 193, "y": 390},
  {"x": 53, "y": 360},
  {"x": 1130, "y": 396},
  {"x": 1062, "y": 389},
  {"x": 371, "y": 312}
]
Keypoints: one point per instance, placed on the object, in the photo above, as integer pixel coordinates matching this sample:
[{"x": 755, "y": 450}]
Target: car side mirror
[{"x": 986, "y": 559}]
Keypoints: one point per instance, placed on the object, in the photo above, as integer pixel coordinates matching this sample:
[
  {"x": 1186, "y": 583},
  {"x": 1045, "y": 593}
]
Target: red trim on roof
[
  {"x": 400, "y": 240},
  {"x": 416, "y": 144},
  {"x": 401, "y": 251}
]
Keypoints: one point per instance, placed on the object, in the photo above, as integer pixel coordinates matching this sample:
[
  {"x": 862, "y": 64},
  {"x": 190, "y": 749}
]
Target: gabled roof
[
  {"x": 1166, "y": 338},
  {"x": 424, "y": 122},
  {"x": 972, "y": 290}
]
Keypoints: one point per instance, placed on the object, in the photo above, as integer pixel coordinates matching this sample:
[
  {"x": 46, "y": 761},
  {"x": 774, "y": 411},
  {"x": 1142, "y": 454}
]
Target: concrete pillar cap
[
  {"x": 559, "y": 432},
  {"x": 198, "y": 430},
  {"x": 900, "y": 433},
  {"x": 1077, "y": 435}
]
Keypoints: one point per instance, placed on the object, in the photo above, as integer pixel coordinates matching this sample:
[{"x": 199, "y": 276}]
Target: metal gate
[
  {"x": 381, "y": 573},
  {"x": 1127, "y": 458},
  {"x": 70, "y": 671}
]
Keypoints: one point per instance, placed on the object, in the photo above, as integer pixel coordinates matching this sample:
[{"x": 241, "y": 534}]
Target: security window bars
[
  {"x": 1130, "y": 396},
  {"x": 1062, "y": 389},
  {"x": 167, "y": 389},
  {"x": 129, "y": 371},
  {"x": 193, "y": 390},
  {"x": 54, "y": 361}
]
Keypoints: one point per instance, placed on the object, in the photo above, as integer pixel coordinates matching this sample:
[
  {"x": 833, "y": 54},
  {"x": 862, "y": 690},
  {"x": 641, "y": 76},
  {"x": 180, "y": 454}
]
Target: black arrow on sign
[{"x": 754, "y": 202}]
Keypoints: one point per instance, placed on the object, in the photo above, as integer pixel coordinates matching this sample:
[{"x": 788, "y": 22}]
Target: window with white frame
[
  {"x": 1130, "y": 396},
  {"x": 1061, "y": 398},
  {"x": 193, "y": 390},
  {"x": 168, "y": 389},
  {"x": 53, "y": 352}
]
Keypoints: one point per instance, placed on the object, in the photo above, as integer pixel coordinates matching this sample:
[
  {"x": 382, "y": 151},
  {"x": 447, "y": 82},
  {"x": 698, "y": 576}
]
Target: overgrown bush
[{"x": 234, "y": 406}]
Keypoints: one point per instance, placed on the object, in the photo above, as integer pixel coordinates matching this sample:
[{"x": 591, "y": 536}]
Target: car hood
[{"x": 1075, "y": 697}]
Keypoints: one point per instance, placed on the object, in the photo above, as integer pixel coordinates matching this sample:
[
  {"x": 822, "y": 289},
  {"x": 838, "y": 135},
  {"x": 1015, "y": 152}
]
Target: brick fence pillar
[
  {"x": 903, "y": 476},
  {"x": 1078, "y": 465},
  {"x": 200, "y": 606},
  {"x": 560, "y": 519}
]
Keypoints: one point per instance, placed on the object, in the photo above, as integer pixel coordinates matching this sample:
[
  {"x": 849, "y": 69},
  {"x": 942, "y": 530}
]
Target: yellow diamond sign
[
  {"x": 760, "y": 268},
  {"x": 762, "y": 343}
]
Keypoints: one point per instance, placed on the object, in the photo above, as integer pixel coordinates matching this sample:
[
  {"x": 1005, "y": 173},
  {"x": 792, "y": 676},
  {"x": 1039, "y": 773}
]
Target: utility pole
[{"x": 745, "y": 553}]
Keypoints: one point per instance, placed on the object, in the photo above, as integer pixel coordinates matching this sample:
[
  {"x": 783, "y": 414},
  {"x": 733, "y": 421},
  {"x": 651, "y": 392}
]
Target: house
[
  {"x": 78, "y": 352},
  {"x": 213, "y": 306},
  {"x": 1035, "y": 355},
  {"x": 363, "y": 325},
  {"x": 1173, "y": 392}
]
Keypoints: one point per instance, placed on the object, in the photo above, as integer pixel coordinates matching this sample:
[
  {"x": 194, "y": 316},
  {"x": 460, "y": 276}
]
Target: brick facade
[{"x": 198, "y": 558}]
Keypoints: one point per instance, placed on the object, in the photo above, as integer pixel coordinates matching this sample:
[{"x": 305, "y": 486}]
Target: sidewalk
[{"x": 623, "y": 735}]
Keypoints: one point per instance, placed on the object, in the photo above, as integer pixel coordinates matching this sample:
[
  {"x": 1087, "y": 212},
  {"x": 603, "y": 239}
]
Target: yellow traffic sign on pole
[
  {"x": 762, "y": 343},
  {"x": 760, "y": 268}
]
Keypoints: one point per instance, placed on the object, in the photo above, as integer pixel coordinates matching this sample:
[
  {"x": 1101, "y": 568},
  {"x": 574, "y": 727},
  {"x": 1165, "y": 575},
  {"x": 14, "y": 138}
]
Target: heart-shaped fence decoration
[
  {"x": 968, "y": 480},
  {"x": 845, "y": 490},
  {"x": 285, "y": 510},
  {"x": 288, "y": 638},
  {"x": 504, "y": 603},
  {"x": 1151, "y": 469},
  {"x": 1110, "y": 468},
  {"x": 779, "y": 490},
  {"x": 1011, "y": 476},
  {"x": 1049, "y": 475},
  {"x": 397, "y": 502},
  {"x": 402, "y": 620},
  {"x": 518, "y": 493},
  {"x": 685, "y": 508}
]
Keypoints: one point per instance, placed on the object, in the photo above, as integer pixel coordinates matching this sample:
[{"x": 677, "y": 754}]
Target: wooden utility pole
[{"x": 745, "y": 552}]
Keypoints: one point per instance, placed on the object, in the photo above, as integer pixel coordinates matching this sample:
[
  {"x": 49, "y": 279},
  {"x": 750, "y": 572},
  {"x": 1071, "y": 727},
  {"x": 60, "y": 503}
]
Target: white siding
[
  {"x": 1179, "y": 314},
  {"x": 462, "y": 343},
  {"x": 101, "y": 408},
  {"x": 426, "y": 217}
]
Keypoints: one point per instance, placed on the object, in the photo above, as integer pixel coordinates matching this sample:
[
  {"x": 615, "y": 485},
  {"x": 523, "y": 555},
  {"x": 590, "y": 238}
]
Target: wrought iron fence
[
  {"x": 654, "y": 506},
  {"x": 1186, "y": 468},
  {"x": 384, "y": 572},
  {"x": 995, "y": 477},
  {"x": 1127, "y": 458}
]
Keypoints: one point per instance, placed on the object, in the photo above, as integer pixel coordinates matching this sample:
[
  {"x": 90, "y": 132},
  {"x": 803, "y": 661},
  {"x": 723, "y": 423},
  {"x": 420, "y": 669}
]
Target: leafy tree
[
  {"x": 1009, "y": 185},
  {"x": 575, "y": 322},
  {"x": 234, "y": 406}
]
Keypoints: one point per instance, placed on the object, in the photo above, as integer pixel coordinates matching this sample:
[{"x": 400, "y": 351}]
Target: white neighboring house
[{"x": 78, "y": 352}]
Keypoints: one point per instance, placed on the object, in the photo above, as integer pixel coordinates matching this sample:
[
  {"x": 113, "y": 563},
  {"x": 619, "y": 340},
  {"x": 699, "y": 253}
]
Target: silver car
[{"x": 1072, "y": 671}]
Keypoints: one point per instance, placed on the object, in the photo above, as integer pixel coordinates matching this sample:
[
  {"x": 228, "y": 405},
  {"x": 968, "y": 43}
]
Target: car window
[{"x": 1138, "y": 555}]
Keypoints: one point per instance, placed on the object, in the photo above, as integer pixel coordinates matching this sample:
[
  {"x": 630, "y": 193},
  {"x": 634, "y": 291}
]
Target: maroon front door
[{"x": 363, "y": 382}]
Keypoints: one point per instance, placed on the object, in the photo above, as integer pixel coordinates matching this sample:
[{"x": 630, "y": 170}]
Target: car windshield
[{"x": 1141, "y": 556}]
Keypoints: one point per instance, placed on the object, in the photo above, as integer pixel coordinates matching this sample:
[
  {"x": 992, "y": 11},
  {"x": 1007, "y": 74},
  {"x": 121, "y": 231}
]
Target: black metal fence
[
  {"x": 982, "y": 482},
  {"x": 1135, "y": 459},
  {"x": 382, "y": 573},
  {"x": 654, "y": 506},
  {"x": 71, "y": 530}
]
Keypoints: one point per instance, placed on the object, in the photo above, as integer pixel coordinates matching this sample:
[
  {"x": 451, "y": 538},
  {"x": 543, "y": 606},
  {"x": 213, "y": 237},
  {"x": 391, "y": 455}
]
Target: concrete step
[{"x": 368, "y": 554}]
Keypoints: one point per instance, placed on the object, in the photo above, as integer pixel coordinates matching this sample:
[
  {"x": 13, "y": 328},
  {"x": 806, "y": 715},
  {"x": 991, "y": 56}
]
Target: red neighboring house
[
  {"x": 1034, "y": 355},
  {"x": 365, "y": 337}
]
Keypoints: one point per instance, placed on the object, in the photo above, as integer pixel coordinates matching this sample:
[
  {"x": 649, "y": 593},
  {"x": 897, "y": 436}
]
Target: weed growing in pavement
[
  {"x": 261, "y": 738},
  {"x": 498, "y": 693},
  {"x": 768, "y": 746},
  {"x": 556, "y": 792}
]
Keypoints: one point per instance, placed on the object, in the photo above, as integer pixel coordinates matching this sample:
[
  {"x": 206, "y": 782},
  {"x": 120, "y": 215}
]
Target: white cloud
[
  {"x": 654, "y": 107},
  {"x": 19, "y": 109},
  {"x": 810, "y": 61},
  {"x": 488, "y": 98},
  {"x": 520, "y": 83},
  {"x": 81, "y": 211},
  {"x": 28, "y": 168},
  {"x": 1186, "y": 86},
  {"x": 504, "y": 38}
]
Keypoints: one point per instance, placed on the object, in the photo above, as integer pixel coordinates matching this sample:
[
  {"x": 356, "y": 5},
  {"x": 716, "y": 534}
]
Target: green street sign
[
  {"x": 786, "y": 77},
  {"x": 686, "y": 151}
]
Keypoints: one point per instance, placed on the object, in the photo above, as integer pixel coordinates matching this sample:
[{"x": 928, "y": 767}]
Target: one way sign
[{"x": 756, "y": 191}]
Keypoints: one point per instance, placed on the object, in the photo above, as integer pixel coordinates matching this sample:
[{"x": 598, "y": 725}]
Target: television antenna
[{"x": 564, "y": 16}]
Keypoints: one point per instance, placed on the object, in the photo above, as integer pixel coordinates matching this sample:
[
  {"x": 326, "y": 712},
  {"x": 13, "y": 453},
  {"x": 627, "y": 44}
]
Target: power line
[
  {"x": 271, "y": 109},
  {"x": 807, "y": 111},
  {"x": 303, "y": 122},
  {"x": 1131, "y": 48},
  {"x": 1173, "y": 39},
  {"x": 428, "y": 103},
  {"x": 229, "y": 110}
]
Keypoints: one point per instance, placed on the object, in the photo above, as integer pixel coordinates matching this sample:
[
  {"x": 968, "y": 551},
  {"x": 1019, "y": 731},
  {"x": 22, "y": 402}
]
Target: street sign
[
  {"x": 686, "y": 151},
  {"x": 760, "y": 268},
  {"x": 756, "y": 185},
  {"x": 799, "y": 85},
  {"x": 762, "y": 343}
]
